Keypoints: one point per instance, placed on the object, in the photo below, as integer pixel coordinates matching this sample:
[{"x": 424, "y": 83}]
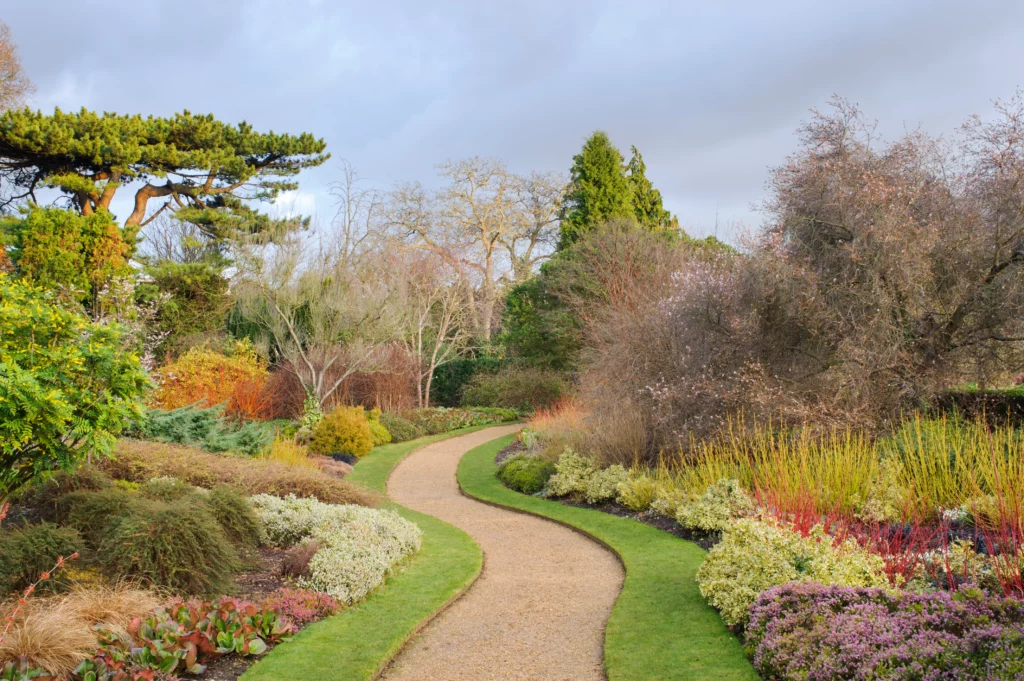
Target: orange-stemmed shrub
[{"x": 210, "y": 378}]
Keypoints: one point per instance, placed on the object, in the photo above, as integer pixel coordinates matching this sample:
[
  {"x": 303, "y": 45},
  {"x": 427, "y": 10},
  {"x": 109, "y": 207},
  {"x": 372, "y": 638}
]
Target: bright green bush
[
  {"x": 755, "y": 555},
  {"x": 523, "y": 389},
  {"x": 713, "y": 511},
  {"x": 68, "y": 387},
  {"x": 524, "y": 473},
  {"x": 28, "y": 551},
  {"x": 603, "y": 486},
  {"x": 401, "y": 429},
  {"x": 636, "y": 492},
  {"x": 207, "y": 429},
  {"x": 177, "y": 546},
  {"x": 572, "y": 475},
  {"x": 346, "y": 430},
  {"x": 381, "y": 434}
]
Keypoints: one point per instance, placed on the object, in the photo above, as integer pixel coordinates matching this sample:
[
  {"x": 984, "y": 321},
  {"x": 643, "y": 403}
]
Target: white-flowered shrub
[{"x": 359, "y": 546}]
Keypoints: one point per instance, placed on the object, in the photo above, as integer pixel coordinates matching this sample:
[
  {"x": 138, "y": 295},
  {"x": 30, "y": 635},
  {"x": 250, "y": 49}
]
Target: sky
[{"x": 710, "y": 92}]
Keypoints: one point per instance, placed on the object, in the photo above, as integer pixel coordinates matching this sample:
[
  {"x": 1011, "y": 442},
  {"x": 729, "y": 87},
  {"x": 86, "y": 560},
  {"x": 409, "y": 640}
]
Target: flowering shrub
[
  {"x": 714, "y": 511},
  {"x": 301, "y": 606},
  {"x": 604, "y": 484},
  {"x": 812, "y": 632},
  {"x": 572, "y": 475},
  {"x": 358, "y": 547},
  {"x": 209, "y": 377},
  {"x": 755, "y": 555},
  {"x": 346, "y": 430}
]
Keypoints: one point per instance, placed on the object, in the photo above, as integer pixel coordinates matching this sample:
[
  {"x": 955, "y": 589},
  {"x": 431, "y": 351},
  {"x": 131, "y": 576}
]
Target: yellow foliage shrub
[
  {"x": 209, "y": 377},
  {"x": 346, "y": 430}
]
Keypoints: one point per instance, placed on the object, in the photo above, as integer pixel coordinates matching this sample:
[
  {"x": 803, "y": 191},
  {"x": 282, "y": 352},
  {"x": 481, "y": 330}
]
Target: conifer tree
[
  {"x": 647, "y": 203},
  {"x": 598, "y": 189}
]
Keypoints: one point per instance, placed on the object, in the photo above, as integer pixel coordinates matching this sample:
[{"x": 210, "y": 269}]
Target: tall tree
[
  {"x": 598, "y": 189},
  {"x": 646, "y": 199},
  {"x": 194, "y": 163},
  {"x": 14, "y": 83}
]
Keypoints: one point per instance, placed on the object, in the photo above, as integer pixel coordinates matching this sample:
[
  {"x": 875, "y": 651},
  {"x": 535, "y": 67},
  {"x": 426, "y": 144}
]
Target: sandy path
[{"x": 538, "y": 609}]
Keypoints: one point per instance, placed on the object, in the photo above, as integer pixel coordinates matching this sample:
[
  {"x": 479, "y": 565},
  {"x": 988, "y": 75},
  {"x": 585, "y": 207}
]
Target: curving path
[{"x": 539, "y": 608}]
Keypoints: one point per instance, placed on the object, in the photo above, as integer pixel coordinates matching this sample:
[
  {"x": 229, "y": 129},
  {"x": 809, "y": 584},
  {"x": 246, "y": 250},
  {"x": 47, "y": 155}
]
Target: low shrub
[
  {"x": 713, "y": 511},
  {"x": 235, "y": 514},
  {"x": 603, "y": 486},
  {"x": 381, "y": 435},
  {"x": 44, "y": 495},
  {"x": 301, "y": 606},
  {"x": 206, "y": 377},
  {"x": 287, "y": 451},
  {"x": 401, "y": 429},
  {"x": 524, "y": 473},
  {"x": 166, "y": 488},
  {"x": 814, "y": 632},
  {"x": 755, "y": 555},
  {"x": 358, "y": 547},
  {"x": 28, "y": 551},
  {"x": 207, "y": 429},
  {"x": 138, "y": 461},
  {"x": 296, "y": 558},
  {"x": 346, "y": 430},
  {"x": 572, "y": 475},
  {"x": 92, "y": 512},
  {"x": 636, "y": 492},
  {"x": 523, "y": 389},
  {"x": 178, "y": 546},
  {"x": 435, "y": 420}
]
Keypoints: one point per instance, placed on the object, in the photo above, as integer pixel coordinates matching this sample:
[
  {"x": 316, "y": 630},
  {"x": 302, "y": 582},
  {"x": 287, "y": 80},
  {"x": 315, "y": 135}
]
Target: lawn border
[
  {"x": 450, "y": 561},
  {"x": 660, "y": 629}
]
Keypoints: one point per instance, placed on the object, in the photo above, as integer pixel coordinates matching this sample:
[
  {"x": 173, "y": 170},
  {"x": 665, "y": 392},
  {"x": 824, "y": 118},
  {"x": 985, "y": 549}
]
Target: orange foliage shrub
[{"x": 208, "y": 377}]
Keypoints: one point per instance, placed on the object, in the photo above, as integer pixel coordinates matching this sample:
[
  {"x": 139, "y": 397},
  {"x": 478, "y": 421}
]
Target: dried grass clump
[{"x": 139, "y": 461}]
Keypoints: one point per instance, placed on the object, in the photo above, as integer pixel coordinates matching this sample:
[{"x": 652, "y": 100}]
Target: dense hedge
[{"x": 449, "y": 378}]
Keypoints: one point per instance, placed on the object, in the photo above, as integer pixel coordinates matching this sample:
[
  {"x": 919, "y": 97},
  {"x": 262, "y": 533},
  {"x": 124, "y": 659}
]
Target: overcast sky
[{"x": 710, "y": 92}]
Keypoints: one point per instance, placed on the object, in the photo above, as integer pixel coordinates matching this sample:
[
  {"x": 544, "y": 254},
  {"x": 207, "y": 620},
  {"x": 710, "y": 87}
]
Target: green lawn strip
[
  {"x": 355, "y": 644},
  {"x": 661, "y": 628}
]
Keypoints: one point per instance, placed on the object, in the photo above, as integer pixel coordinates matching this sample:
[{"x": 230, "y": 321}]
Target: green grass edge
[
  {"x": 357, "y": 643},
  {"x": 661, "y": 628}
]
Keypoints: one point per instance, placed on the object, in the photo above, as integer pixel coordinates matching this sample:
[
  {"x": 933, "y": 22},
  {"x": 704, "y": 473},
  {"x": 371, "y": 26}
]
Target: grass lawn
[
  {"x": 355, "y": 644},
  {"x": 661, "y": 628}
]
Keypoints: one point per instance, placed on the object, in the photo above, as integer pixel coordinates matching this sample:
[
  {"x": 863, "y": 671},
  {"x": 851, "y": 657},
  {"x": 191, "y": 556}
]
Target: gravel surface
[{"x": 539, "y": 608}]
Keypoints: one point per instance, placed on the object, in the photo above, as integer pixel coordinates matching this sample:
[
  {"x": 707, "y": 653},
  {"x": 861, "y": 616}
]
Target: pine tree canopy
[
  {"x": 194, "y": 162},
  {"x": 598, "y": 189},
  {"x": 646, "y": 199}
]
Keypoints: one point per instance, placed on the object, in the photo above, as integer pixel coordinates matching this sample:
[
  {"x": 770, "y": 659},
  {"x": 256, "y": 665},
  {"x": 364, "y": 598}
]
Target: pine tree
[
  {"x": 598, "y": 189},
  {"x": 647, "y": 203}
]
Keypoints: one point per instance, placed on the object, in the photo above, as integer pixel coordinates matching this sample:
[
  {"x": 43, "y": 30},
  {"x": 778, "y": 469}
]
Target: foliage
[
  {"x": 206, "y": 378},
  {"x": 301, "y": 606},
  {"x": 92, "y": 512},
  {"x": 288, "y": 451},
  {"x": 176, "y": 546},
  {"x": 194, "y": 300},
  {"x": 598, "y": 189},
  {"x": 526, "y": 474},
  {"x": 450, "y": 377},
  {"x": 67, "y": 387},
  {"x": 59, "y": 250},
  {"x": 346, "y": 430},
  {"x": 603, "y": 486},
  {"x": 139, "y": 461},
  {"x": 809, "y": 631},
  {"x": 401, "y": 429},
  {"x": 755, "y": 555},
  {"x": 381, "y": 434},
  {"x": 537, "y": 327},
  {"x": 637, "y": 491},
  {"x": 721, "y": 504},
  {"x": 207, "y": 165},
  {"x": 358, "y": 547},
  {"x": 312, "y": 412},
  {"x": 235, "y": 514},
  {"x": 208, "y": 429},
  {"x": 573, "y": 474},
  {"x": 434, "y": 420},
  {"x": 522, "y": 389},
  {"x": 30, "y": 550},
  {"x": 647, "y": 205}
]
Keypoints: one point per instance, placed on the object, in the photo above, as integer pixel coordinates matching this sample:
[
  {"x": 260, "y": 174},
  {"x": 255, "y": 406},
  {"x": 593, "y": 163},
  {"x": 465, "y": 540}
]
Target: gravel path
[{"x": 538, "y": 609}]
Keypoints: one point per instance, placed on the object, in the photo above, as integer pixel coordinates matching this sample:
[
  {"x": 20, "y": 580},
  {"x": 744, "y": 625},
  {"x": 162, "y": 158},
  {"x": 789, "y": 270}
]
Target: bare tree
[
  {"x": 359, "y": 211},
  {"x": 15, "y": 85},
  {"x": 538, "y": 201},
  {"x": 168, "y": 238},
  {"x": 326, "y": 316}
]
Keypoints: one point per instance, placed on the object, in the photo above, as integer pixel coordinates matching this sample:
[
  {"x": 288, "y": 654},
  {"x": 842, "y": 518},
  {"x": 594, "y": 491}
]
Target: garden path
[{"x": 539, "y": 608}]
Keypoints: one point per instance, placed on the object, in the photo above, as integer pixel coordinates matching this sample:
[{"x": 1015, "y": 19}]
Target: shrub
[
  {"x": 381, "y": 434},
  {"x": 235, "y": 514},
  {"x": 289, "y": 452},
  {"x": 28, "y": 551},
  {"x": 178, "y": 546},
  {"x": 207, "y": 378},
  {"x": 572, "y": 475},
  {"x": 358, "y": 547},
  {"x": 526, "y": 474},
  {"x": 436, "y": 420},
  {"x": 44, "y": 496},
  {"x": 68, "y": 387},
  {"x": 451, "y": 376},
  {"x": 346, "y": 430},
  {"x": 603, "y": 486},
  {"x": 166, "y": 488},
  {"x": 755, "y": 555},
  {"x": 296, "y": 559},
  {"x": 301, "y": 606},
  {"x": 206, "y": 428},
  {"x": 636, "y": 492},
  {"x": 714, "y": 511},
  {"x": 522, "y": 389},
  {"x": 401, "y": 429},
  {"x": 139, "y": 461},
  {"x": 91, "y": 513},
  {"x": 809, "y": 631}
]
